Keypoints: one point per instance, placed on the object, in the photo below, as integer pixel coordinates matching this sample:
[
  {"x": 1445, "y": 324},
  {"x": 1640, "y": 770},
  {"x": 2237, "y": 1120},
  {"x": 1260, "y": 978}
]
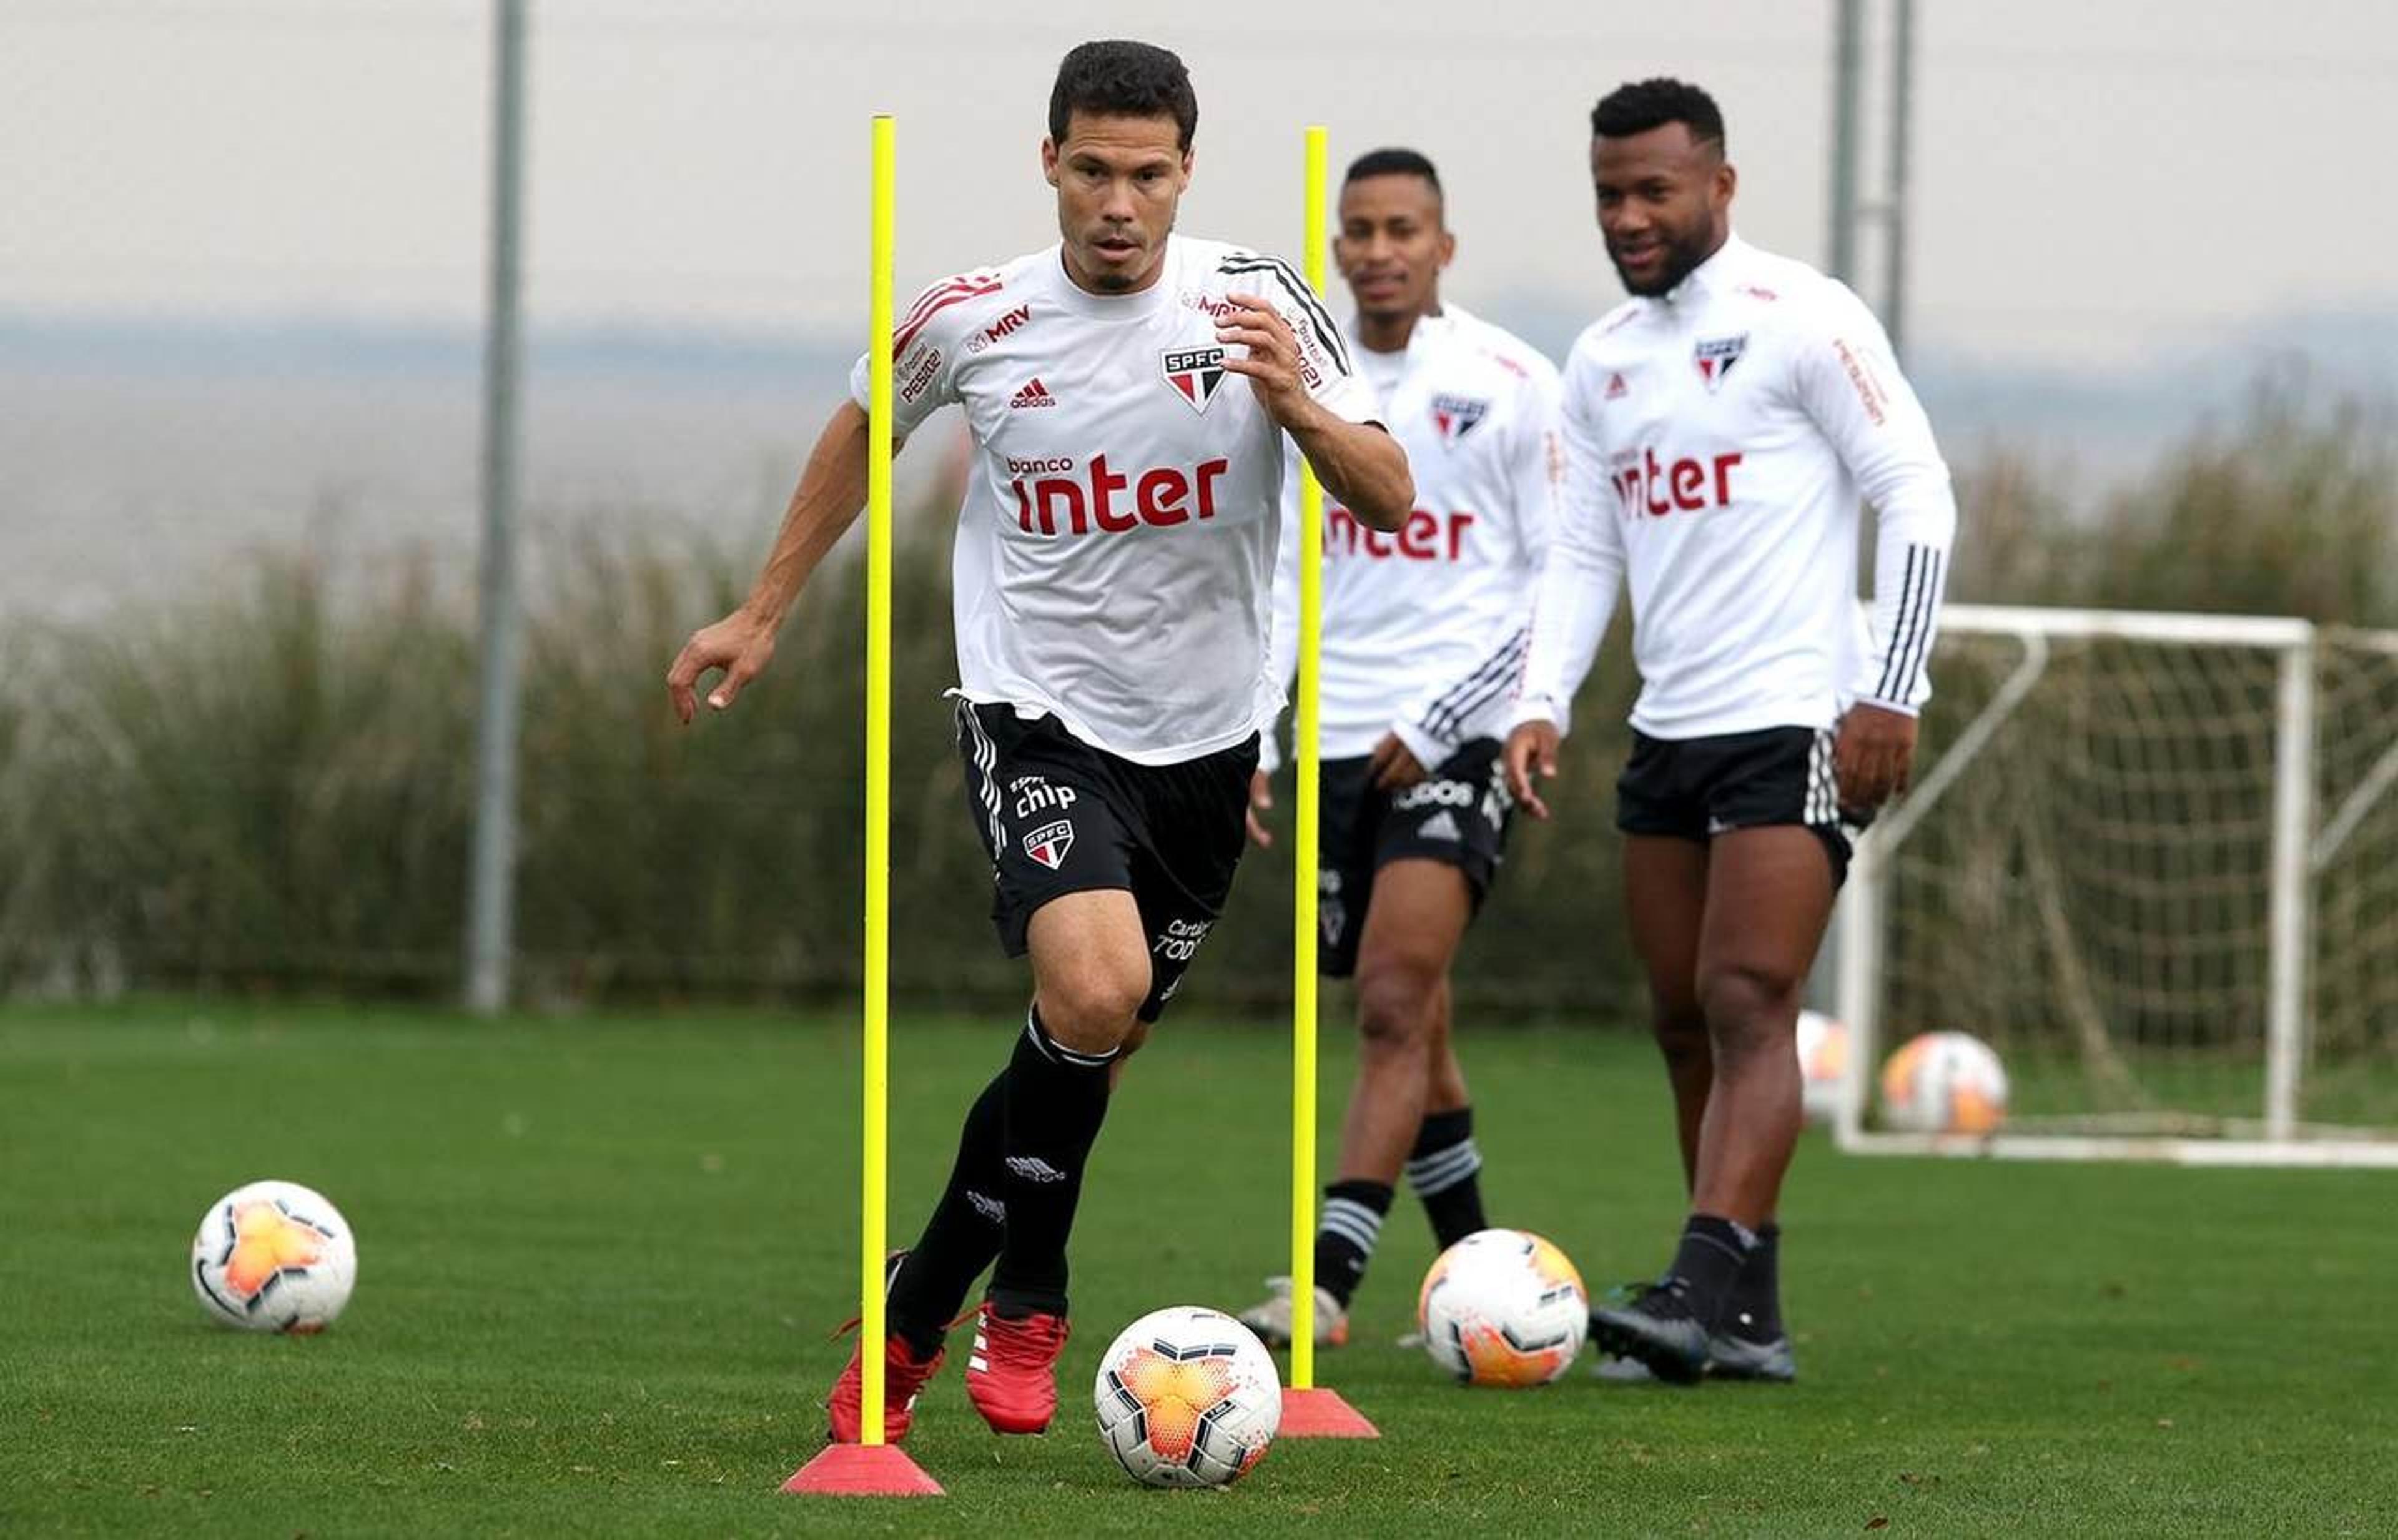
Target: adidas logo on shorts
[{"x": 1440, "y": 826}]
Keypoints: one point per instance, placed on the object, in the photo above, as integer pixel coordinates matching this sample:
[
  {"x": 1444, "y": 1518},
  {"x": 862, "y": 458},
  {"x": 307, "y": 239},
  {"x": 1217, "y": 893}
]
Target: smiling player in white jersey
[
  {"x": 1721, "y": 427},
  {"x": 1111, "y": 566},
  {"x": 1423, "y": 638}
]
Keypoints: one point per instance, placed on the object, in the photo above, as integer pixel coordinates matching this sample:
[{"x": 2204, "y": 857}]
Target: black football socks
[
  {"x": 1709, "y": 1260},
  {"x": 1753, "y": 1309},
  {"x": 1445, "y": 1170},
  {"x": 963, "y": 1233},
  {"x": 1055, "y": 1098},
  {"x": 1351, "y": 1222}
]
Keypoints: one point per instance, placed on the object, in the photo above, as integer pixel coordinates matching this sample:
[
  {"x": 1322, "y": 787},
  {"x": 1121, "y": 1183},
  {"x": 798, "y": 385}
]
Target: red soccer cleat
[
  {"x": 1012, "y": 1378},
  {"x": 903, "y": 1378}
]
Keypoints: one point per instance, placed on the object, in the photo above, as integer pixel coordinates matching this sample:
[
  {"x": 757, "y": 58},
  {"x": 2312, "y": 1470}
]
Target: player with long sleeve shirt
[
  {"x": 1721, "y": 427},
  {"x": 1112, "y": 561},
  {"x": 1423, "y": 638}
]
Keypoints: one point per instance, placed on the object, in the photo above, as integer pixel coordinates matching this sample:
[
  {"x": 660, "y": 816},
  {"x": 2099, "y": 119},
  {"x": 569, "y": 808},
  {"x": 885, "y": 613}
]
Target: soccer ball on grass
[
  {"x": 274, "y": 1256},
  {"x": 1503, "y": 1308},
  {"x": 1186, "y": 1397},
  {"x": 1943, "y": 1083}
]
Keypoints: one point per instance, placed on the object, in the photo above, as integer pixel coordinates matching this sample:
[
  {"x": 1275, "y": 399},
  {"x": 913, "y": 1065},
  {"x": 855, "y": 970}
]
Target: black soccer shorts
[
  {"x": 1457, "y": 815},
  {"x": 1057, "y": 815},
  {"x": 1695, "y": 788}
]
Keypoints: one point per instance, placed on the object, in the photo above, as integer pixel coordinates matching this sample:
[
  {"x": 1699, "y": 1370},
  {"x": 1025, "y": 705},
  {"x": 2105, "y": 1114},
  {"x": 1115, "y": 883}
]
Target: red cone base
[
  {"x": 1321, "y": 1413},
  {"x": 866, "y": 1470}
]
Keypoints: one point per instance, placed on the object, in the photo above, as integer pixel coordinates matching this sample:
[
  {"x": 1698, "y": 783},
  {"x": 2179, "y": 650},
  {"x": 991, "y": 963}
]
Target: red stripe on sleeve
[{"x": 937, "y": 300}]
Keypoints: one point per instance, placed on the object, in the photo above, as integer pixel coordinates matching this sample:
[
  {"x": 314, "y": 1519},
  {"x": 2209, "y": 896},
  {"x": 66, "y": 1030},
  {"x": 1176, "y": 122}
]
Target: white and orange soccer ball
[
  {"x": 1823, "y": 1065},
  {"x": 1943, "y": 1083},
  {"x": 274, "y": 1256},
  {"x": 1186, "y": 1397},
  {"x": 1503, "y": 1308}
]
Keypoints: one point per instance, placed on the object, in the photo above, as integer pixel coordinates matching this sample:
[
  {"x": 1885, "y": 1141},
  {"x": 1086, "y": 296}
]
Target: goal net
[{"x": 2153, "y": 860}]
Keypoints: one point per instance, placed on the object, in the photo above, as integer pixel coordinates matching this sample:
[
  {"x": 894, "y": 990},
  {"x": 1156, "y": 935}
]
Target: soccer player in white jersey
[
  {"x": 1128, "y": 392},
  {"x": 1722, "y": 427},
  {"x": 1423, "y": 638}
]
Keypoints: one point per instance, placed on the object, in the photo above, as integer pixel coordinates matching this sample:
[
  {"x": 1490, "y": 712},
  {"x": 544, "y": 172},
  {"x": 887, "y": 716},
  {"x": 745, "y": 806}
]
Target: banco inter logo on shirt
[
  {"x": 1055, "y": 496},
  {"x": 1646, "y": 484},
  {"x": 1194, "y": 374}
]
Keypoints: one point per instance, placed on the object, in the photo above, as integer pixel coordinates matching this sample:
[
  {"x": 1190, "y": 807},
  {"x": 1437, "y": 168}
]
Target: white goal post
[{"x": 2152, "y": 859}]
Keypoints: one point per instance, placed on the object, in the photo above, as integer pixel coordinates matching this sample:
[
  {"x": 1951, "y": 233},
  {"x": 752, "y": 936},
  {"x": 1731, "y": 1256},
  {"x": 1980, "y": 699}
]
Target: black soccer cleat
[
  {"x": 1658, "y": 1330},
  {"x": 1732, "y": 1357}
]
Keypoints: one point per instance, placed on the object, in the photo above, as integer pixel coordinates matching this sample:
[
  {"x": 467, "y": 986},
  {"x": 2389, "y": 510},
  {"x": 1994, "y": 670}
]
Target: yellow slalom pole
[
  {"x": 1303, "y": 934},
  {"x": 871, "y": 1326},
  {"x": 871, "y": 1468}
]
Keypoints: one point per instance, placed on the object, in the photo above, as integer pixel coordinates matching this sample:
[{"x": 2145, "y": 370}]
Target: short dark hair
[
  {"x": 1123, "y": 79},
  {"x": 1393, "y": 162},
  {"x": 1641, "y": 105}
]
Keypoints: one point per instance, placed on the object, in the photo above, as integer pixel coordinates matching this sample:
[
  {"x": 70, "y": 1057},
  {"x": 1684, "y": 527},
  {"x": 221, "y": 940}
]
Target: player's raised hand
[
  {"x": 1874, "y": 755},
  {"x": 1272, "y": 364},
  {"x": 1261, "y": 801},
  {"x": 740, "y": 644},
  {"x": 1532, "y": 746},
  {"x": 1394, "y": 767}
]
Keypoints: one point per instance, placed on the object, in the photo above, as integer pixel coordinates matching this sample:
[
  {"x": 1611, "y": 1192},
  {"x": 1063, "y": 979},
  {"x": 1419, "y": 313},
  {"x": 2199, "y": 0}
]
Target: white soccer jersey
[
  {"x": 1719, "y": 439},
  {"x": 1425, "y": 628},
  {"x": 1121, "y": 519}
]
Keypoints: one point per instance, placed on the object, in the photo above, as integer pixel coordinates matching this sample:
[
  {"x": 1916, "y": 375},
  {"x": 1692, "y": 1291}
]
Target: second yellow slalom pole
[{"x": 1308, "y": 1412}]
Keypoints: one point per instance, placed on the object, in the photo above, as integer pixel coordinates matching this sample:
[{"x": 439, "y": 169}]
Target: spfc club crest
[
  {"x": 1455, "y": 415},
  {"x": 1715, "y": 355},
  {"x": 1195, "y": 373},
  {"x": 1049, "y": 844}
]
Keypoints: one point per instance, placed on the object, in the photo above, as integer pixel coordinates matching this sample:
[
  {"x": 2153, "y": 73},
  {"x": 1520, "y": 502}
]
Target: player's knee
[
  {"x": 1393, "y": 1009},
  {"x": 1096, "y": 1009},
  {"x": 1748, "y": 1008},
  {"x": 1124, "y": 1050},
  {"x": 1681, "y": 1033}
]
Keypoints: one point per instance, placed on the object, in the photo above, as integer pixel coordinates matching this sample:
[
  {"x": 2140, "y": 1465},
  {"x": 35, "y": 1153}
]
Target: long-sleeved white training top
[
  {"x": 1719, "y": 439},
  {"x": 1424, "y": 628}
]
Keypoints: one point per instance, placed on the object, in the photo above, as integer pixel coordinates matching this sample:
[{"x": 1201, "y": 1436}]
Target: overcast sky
[{"x": 2095, "y": 179}]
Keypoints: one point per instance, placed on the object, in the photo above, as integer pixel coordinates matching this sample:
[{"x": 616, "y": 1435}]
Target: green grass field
[{"x": 599, "y": 1259}]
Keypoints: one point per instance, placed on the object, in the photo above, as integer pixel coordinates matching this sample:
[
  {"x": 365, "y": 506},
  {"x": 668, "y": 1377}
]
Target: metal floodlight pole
[
  {"x": 491, "y": 897},
  {"x": 1848, "y": 72},
  {"x": 1902, "y": 113}
]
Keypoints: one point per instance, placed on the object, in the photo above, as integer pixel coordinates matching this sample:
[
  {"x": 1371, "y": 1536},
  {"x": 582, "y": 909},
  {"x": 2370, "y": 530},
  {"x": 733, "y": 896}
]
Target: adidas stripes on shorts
[{"x": 1457, "y": 815}]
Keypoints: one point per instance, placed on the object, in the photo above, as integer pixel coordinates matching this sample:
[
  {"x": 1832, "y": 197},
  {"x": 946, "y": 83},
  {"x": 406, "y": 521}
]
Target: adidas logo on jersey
[
  {"x": 1616, "y": 388},
  {"x": 1033, "y": 394}
]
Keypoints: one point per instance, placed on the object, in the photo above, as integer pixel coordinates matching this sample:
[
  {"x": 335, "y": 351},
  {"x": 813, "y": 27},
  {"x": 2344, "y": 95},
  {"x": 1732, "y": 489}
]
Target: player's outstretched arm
[
  {"x": 1361, "y": 466},
  {"x": 831, "y": 492}
]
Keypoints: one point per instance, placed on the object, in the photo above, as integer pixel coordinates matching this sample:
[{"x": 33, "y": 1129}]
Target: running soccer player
[
  {"x": 1423, "y": 638},
  {"x": 1722, "y": 427},
  {"x": 1112, "y": 568}
]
